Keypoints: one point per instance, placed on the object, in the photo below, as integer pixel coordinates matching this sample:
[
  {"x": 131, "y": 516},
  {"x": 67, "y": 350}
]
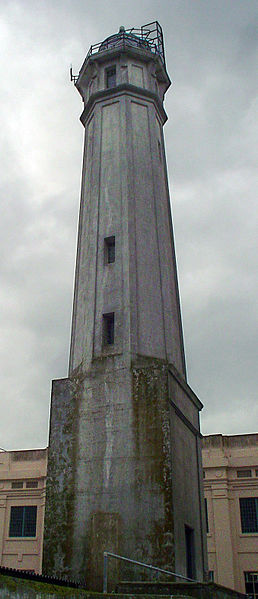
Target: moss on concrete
[
  {"x": 18, "y": 588},
  {"x": 153, "y": 451},
  {"x": 59, "y": 515}
]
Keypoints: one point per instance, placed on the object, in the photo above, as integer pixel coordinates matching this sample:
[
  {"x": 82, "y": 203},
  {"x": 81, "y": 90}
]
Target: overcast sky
[{"x": 210, "y": 140}]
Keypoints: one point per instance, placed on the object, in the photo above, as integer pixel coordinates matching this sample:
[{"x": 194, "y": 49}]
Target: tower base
[{"x": 123, "y": 472}]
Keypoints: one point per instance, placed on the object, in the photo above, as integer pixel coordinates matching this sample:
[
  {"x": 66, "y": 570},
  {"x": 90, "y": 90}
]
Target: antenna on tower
[{"x": 73, "y": 77}]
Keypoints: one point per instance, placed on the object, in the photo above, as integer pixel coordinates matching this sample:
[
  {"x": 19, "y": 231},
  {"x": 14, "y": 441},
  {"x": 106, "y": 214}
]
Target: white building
[
  {"x": 22, "y": 505},
  {"x": 230, "y": 467}
]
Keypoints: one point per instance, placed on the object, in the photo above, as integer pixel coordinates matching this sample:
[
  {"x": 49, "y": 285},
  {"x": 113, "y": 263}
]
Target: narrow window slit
[
  {"x": 109, "y": 328},
  {"x": 110, "y": 249},
  {"x": 111, "y": 77}
]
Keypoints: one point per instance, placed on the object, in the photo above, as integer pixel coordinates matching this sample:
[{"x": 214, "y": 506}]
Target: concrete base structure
[{"x": 113, "y": 484}]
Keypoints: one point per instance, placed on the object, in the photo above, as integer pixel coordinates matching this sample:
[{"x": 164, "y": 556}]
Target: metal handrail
[
  {"x": 107, "y": 554},
  {"x": 149, "y": 36},
  {"x": 122, "y": 42}
]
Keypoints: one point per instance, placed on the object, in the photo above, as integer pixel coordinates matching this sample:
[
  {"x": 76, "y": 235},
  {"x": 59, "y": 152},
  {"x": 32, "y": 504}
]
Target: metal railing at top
[
  {"x": 107, "y": 554},
  {"x": 148, "y": 37}
]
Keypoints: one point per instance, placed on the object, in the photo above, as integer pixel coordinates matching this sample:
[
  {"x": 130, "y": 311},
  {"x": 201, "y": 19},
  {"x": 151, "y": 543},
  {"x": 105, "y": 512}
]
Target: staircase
[{"x": 199, "y": 590}]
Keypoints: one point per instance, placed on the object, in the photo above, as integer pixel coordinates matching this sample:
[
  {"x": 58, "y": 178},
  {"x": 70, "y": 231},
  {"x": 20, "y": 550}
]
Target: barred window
[
  {"x": 244, "y": 473},
  {"x": 251, "y": 585},
  {"x": 249, "y": 514},
  {"x": 17, "y": 484},
  {"x": 32, "y": 484},
  {"x": 23, "y": 521}
]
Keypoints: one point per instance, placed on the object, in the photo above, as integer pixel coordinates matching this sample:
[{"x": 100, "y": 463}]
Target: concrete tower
[{"x": 124, "y": 453}]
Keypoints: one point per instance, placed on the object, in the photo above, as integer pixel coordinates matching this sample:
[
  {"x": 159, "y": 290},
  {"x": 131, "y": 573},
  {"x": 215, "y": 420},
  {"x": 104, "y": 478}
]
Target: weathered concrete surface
[
  {"x": 12, "y": 587},
  {"x": 125, "y": 194},
  {"x": 114, "y": 474},
  {"x": 59, "y": 508},
  {"x": 200, "y": 590},
  {"x": 18, "y": 588},
  {"x": 130, "y": 478},
  {"x": 120, "y": 495}
]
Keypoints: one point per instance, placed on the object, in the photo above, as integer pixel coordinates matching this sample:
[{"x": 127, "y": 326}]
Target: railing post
[{"x": 105, "y": 572}]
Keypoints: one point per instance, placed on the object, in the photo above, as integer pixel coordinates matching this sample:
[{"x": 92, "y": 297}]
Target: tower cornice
[
  {"x": 185, "y": 387},
  {"x": 124, "y": 88}
]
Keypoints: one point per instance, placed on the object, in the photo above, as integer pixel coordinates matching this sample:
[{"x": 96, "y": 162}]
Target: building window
[
  {"x": 17, "y": 484},
  {"x": 244, "y": 473},
  {"x": 32, "y": 484},
  {"x": 110, "y": 249},
  {"x": 23, "y": 521},
  {"x": 111, "y": 77},
  {"x": 190, "y": 556},
  {"x": 251, "y": 585},
  {"x": 256, "y": 472},
  {"x": 249, "y": 514},
  {"x": 211, "y": 575},
  {"x": 109, "y": 328},
  {"x": 206, "y": 514}
]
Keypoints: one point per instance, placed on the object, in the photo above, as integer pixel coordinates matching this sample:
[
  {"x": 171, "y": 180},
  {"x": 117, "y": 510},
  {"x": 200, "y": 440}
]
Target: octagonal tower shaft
[
  {"x": 125, "y": 201},
  {"x": 124, "y": 467}
]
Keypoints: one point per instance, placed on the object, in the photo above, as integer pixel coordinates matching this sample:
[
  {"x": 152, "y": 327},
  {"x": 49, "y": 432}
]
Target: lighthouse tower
[{"x": 124, "y": 472}]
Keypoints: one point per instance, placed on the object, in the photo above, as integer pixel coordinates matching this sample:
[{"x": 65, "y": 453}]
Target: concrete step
[{"x": 199, "y": 590}]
